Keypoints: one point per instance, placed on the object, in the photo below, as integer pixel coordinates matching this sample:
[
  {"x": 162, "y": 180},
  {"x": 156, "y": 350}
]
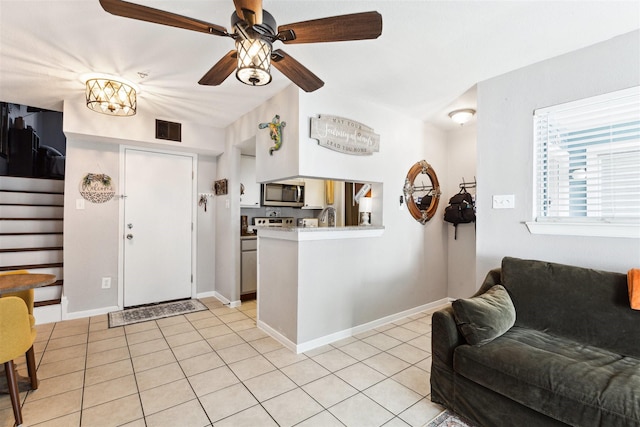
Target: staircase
[{"x": 31, "y": 221}]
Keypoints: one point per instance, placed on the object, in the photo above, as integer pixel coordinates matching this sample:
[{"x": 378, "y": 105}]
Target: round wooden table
[{"x": 21, "y": 282}]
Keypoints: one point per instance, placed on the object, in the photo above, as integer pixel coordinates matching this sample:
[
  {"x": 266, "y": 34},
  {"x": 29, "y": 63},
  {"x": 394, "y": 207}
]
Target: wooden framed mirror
[{"x": 422, "y": 191}]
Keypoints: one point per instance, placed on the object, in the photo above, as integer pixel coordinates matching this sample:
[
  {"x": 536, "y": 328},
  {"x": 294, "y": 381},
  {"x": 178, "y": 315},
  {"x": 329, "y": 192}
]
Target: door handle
[{"x": 129, "y": 236}]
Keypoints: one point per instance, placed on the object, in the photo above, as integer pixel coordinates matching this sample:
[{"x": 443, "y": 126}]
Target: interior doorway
[{"x": 157, "y": 228}]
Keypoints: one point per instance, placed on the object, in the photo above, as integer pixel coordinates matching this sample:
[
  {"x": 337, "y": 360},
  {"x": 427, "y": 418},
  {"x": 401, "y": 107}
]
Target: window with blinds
[{"x": 587, "y": 160}]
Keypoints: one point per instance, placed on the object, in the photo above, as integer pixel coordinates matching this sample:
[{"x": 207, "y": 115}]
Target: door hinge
[
  {"x": 191, "y": 226},
  {"x": 192, "y": 278}
]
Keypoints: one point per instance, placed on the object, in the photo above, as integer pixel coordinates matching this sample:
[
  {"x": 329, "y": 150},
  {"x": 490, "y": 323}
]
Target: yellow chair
[
  {"x": 27, "y": 296},
  {"x": 16, "y": 338}
]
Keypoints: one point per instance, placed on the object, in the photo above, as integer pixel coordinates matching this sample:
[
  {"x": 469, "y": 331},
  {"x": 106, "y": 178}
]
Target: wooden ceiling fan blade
[
  {"x": 356, "y": 26},
  {"x": 249, "y": 10},
  {"x": 219, "y": 72},
  {"x": 295, "y": 71},
  {"x": 157, "y": 16}
]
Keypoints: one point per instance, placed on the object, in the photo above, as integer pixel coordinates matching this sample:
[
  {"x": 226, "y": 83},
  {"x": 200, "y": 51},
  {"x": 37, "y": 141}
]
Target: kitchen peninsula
[{"x": 309, "y": 280}]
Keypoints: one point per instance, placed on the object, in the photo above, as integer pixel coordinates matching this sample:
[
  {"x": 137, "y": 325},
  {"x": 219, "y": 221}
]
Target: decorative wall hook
[{"x": 275, "y": 132}]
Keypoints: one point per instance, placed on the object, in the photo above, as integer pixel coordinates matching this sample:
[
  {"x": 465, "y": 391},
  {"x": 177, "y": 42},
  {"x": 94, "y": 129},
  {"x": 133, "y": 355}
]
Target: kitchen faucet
[{"x": 328, "y": 216}]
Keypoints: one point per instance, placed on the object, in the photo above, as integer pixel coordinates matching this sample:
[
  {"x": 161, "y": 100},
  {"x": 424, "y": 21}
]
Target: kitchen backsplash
[{"x": 279, "y": 212}]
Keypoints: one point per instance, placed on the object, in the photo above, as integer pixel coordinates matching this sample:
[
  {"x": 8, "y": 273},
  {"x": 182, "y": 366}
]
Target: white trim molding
[
  {"x": 346, "y": 333},
  {"x": 582, "y": 229}
]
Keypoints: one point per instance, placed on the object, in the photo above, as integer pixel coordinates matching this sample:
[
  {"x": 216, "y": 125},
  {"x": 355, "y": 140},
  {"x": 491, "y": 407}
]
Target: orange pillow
[{"x": 633, "y": 280}]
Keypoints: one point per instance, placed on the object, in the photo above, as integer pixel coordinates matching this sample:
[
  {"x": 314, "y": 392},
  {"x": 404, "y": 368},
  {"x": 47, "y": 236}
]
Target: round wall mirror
[{"x": 422, "y": 191}]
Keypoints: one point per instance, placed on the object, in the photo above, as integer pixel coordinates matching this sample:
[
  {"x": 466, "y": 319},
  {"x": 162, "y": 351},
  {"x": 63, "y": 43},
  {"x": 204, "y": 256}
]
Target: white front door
[{"x": 157, "y": 226}]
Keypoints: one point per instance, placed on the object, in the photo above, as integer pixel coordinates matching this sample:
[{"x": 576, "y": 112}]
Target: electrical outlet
[
  {"x": 106, "y": 282},
  {"x": 505, "y": 201}
]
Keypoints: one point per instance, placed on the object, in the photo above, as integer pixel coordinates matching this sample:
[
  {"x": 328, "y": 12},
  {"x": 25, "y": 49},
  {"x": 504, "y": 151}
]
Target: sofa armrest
[
  {"x": 444, "y": 338},
  {"x": 492, "y": 278}
]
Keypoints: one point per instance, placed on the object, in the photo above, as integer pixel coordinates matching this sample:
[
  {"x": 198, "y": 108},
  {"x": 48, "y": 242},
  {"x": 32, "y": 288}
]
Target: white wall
[
  {"x": 206, "y": 236},
  {"x": 406, "y": 266},
  {"x": 409, "y": 260},
  {"x": 283, "y": 163},
  {"x": 461, "y": 252},
  {"x": 227, "y": 207},
  {"x": 505, "y": 154},
  {"x": 137, "y": 130},
  {"x": 92, "y": 236},
  {"x": 227, "y": 211}
]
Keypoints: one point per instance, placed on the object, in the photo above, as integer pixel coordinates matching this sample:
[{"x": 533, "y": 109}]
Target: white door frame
[{"x": 194, "y": 212}]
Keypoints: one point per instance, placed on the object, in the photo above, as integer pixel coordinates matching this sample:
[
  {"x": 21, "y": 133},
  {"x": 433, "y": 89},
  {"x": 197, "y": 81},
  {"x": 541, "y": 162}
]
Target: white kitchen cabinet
[
  {"x": 251, "y": 196},
  {"x": 314, "y": 194}
]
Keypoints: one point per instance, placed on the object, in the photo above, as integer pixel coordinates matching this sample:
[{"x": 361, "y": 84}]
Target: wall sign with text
[{"x": 344, "y": 135}]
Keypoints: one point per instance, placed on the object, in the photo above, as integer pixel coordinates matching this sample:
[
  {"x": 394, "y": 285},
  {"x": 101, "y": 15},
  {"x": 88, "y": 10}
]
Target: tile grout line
[
  {"x": 234, "y": 373},
  {"x": 133, "y": 369},
  {"x": 245, "y": 340}
]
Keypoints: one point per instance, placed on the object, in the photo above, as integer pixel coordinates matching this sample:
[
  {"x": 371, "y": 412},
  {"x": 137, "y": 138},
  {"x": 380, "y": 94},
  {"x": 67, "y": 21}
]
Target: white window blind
[{"x": 587, "y": 160}]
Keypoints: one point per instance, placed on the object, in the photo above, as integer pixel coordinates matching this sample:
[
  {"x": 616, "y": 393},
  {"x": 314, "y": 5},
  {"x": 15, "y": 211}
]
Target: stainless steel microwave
[{"x": 284, "y": 193}]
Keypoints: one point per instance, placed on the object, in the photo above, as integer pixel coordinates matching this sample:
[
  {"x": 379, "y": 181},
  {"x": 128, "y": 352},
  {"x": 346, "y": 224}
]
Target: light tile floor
[{"x": 215, "y": 368}]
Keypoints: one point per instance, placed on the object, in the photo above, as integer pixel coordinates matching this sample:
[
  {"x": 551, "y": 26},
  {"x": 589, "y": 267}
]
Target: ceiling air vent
[{"x": 168, "y": 130}]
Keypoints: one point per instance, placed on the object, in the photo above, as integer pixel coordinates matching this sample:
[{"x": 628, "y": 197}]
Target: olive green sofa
[{"x": 571, "y": 356}]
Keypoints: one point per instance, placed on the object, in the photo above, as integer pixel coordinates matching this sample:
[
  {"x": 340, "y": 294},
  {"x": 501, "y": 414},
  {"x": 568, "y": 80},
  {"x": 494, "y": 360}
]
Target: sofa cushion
[
  {"x": 484, "y": 317},
  {"x": 590, "y": 306},
  {"x": 566, "y": 380}
]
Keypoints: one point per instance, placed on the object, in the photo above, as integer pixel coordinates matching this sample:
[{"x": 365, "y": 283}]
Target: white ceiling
[{"x": 428, "y": 60}]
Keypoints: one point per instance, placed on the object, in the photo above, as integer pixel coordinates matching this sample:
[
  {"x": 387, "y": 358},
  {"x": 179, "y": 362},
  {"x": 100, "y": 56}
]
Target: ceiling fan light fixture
[
  {"x": 462, "y": 116},
  {"x": 111, "y": 97},
  {"x": 254, "y": 61}
]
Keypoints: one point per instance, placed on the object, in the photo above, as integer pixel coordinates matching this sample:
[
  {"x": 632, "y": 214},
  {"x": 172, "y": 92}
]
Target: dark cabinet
[{"x": 23, "y": 152}]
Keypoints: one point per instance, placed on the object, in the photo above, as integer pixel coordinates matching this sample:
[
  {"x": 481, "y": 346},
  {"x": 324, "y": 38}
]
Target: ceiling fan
[{"x": 254, "y": 32}]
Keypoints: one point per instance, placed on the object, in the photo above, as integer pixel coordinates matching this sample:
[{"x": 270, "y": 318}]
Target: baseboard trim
[
  {"x": 225, "y": 301},
  {"x": 91, "y": 313},
  {"x": 48, "y": 314},
  {"x": 207, "y": 294},
  {"x": 277, "y": 336},
  {"x": 346, "y": 333}
]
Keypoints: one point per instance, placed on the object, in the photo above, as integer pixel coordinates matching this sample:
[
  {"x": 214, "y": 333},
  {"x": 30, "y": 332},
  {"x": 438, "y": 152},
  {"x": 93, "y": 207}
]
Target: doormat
[
  {"x": 153, "y": 312},
  {"x": 447, "y": 419}
]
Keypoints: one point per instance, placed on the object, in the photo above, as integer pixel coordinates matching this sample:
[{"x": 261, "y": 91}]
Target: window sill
[{"x": 579, "y": 229}]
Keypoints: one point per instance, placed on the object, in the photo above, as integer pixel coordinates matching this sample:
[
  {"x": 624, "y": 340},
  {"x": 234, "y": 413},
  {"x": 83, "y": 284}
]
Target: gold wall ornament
[
  {"x": 422, "y": 198},
  {"x": 96, "y": 188}
]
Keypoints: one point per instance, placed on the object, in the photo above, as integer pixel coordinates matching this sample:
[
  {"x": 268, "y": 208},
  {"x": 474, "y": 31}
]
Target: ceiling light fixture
[
  {"x": 462, "y": 116},
  {"x": 254, "y": 61},
  {"x": 110, "y": 96}
]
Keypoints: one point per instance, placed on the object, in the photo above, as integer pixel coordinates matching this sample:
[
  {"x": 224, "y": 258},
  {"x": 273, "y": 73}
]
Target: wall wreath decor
[{"x": 96, "y": 188}]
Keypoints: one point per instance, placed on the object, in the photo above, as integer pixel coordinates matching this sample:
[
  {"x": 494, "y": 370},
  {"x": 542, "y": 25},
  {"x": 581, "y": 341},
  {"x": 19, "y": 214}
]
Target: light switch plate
[
  {"x": 80, "y": 204},
  {"x": 504, "y": 201}
]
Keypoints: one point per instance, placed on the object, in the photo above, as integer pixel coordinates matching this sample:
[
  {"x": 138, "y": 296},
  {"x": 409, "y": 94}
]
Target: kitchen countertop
[
  {"x": 248, "y": 237},
  {"x": 321, "y": 233}
]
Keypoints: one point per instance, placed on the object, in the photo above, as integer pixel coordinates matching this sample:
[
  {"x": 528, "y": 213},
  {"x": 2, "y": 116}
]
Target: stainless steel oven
[
  {"x": 273, "y": 221},
  {"x": 285, "y": 193}
]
